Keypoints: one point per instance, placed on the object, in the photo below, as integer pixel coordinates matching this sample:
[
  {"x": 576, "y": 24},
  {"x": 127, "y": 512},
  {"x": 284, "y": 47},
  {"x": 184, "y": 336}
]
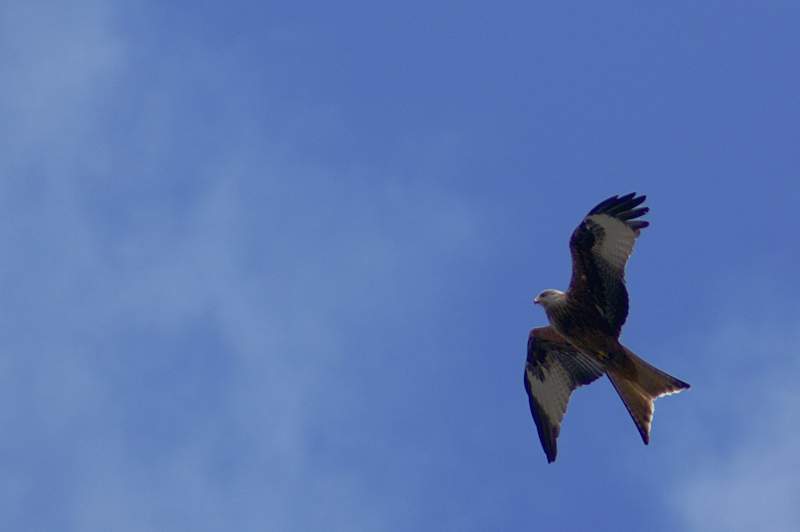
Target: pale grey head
[{"x": 549, "y": 297}]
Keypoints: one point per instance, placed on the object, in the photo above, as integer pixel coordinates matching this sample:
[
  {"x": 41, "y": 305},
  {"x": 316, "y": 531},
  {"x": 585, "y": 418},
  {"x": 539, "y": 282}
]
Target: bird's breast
[{"x": 580, "y": 327}]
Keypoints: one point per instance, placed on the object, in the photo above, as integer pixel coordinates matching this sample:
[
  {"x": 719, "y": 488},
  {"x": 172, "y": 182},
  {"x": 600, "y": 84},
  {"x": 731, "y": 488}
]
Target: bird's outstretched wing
[
  {"x": 600, "y": 247},
  {"x": 554, "y": 368}
]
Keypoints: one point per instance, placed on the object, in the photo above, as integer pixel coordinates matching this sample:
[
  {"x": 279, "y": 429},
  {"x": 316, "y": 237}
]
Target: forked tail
[{"x": 638, "y": 385}]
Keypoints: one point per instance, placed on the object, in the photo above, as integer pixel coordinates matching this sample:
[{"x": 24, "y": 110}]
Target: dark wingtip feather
[
  {"x": 624, "y": 208},
  {"x": 549, "y": 445},
  {"x": 633, "y": 213},
  {"x": 600, "y": 207}
]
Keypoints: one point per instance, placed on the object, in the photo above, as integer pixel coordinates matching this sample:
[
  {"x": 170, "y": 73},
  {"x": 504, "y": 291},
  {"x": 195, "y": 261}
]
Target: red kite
[{"x": 582, "y": 341}]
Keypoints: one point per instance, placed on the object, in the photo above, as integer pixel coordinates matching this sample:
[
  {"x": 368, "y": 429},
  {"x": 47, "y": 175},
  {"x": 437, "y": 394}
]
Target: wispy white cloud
[
  {"x": 169, "y": 366},
  {"x": 739, "y": 467},
  {"x": 98, "y": 356},
  {"x": 59, "y": 64}
]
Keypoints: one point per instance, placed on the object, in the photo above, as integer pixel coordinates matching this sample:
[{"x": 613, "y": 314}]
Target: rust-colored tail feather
[{"x": 638, "y": 385}]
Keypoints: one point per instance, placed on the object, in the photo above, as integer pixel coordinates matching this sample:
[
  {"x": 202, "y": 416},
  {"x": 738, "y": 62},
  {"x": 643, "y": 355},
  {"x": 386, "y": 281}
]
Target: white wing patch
[{"x": 617, "y": 243}]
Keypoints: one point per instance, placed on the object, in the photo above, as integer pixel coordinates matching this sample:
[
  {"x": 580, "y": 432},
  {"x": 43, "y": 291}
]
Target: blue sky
[{"x": 270, "y": 267}]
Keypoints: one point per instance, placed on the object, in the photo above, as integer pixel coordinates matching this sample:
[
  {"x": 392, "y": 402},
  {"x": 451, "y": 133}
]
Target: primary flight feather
[{"x": 582, "y": 341}]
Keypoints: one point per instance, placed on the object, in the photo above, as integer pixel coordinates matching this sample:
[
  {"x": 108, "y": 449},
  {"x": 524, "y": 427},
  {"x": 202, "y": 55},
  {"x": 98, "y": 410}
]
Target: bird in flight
[{"x": 582, "y": 341}]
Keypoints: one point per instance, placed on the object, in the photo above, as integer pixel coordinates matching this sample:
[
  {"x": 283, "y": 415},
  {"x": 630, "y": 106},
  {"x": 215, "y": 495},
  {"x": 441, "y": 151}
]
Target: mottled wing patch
[{"x": 552, "y": 371}]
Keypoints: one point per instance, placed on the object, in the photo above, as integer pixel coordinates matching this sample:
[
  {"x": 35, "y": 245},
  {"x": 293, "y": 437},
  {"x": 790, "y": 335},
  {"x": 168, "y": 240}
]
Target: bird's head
[{"x": 549, "y": 297}]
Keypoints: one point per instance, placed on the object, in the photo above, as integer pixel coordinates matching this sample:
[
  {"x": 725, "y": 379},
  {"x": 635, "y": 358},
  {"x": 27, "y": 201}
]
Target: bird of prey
[{"x": 582, "y": 341}]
